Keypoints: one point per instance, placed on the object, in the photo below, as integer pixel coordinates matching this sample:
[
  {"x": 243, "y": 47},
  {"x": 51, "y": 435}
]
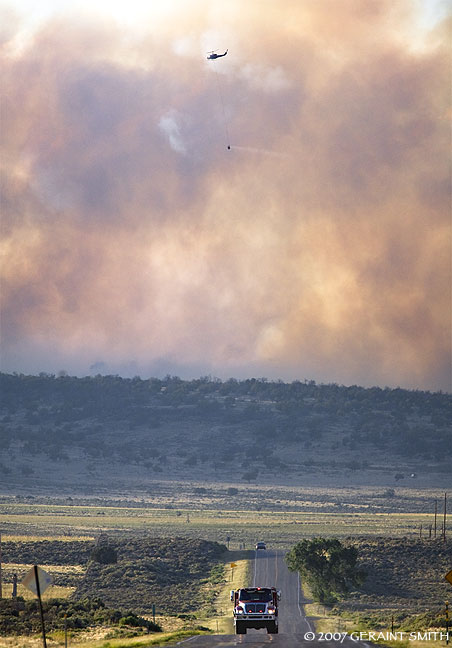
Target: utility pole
[
  {"x": 444, "y": 521},
  {"x": 38, "y": 591},
  {"x": 436, "y": 512},
  {"x": 37, "y": 581}
]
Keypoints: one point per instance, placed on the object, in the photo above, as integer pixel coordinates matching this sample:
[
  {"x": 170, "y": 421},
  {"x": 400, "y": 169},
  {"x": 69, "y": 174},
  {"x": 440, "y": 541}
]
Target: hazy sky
[{"x": 135, "y": 242}]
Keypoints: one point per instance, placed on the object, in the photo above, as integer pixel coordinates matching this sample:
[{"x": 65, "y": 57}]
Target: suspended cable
[{"x": 224, "y": 111}]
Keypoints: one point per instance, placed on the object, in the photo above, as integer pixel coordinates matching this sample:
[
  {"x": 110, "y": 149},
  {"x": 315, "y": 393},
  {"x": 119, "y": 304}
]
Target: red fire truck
[{"x": 256, "y": 607}]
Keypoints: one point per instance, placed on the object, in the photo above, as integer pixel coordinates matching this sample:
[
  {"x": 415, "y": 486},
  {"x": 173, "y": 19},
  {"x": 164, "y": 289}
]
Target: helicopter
[{"x": 213, "y": 55}]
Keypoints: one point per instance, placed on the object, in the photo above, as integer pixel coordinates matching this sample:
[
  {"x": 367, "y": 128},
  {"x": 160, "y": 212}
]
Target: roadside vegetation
[
  {"x": 405, "y": 583},
  {"x": 19, "y": 617},
  {"x": 328, "y": 567},
  {"x": 404, "y": 589},
  {"x": 219, "y": 614}
]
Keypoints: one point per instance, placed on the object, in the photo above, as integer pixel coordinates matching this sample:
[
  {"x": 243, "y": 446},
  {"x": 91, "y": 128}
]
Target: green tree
[{"x": 327, "y": 566}]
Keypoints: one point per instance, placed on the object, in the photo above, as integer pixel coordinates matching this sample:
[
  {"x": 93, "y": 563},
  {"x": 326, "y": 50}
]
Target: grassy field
[{"x": 281, "y": 528}]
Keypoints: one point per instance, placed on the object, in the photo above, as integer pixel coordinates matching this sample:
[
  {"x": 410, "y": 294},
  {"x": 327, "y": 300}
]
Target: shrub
[
  {"x": 104, "y": 554},
  {"x": 22, "y": 617}
]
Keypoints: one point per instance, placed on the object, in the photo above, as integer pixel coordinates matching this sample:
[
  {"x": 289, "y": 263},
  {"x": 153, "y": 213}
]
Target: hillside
[
  {"x": 120, "y": 433},
  {"x": 167, "y": 572},
  {"x": 106, "y": 583},
  {"x": 405, "y": 577},
  {"x": 172, "y": 573}
]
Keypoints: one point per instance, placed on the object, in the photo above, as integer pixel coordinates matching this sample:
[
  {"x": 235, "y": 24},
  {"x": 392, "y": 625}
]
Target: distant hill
[{"x": 107, "y": 429}]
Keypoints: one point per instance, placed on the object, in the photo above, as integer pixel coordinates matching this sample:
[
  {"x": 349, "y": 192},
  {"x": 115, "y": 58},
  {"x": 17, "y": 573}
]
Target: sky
[{"x": 281, "y": 212}]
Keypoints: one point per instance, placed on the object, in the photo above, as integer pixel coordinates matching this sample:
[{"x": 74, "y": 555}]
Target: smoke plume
[{"x": 317, "y": 246}]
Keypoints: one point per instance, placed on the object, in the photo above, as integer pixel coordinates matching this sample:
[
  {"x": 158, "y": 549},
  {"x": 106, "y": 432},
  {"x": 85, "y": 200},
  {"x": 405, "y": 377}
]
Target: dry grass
[
  {"x": 222, "y": 623},
  {"x": 59, "y": 569},
  {"x": 54, "y": 591},
  {"x": 92, "y": 639},
  {"x": 42, "y": 538},
  {"x": 327, "y": 622},
  {"x": 282, "y": 528}
]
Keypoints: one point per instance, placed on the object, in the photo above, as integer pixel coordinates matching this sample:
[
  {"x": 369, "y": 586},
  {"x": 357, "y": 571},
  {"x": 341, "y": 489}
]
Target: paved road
[{"x": 270, "y": 570}]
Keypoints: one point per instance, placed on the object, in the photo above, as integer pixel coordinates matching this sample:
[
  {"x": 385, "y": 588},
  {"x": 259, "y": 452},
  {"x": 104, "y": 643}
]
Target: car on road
[{"x": 260, "y": 545}]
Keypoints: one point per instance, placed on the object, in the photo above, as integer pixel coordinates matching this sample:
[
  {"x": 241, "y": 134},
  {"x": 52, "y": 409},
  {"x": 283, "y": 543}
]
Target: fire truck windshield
[{"x": 261, "y": 595}]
